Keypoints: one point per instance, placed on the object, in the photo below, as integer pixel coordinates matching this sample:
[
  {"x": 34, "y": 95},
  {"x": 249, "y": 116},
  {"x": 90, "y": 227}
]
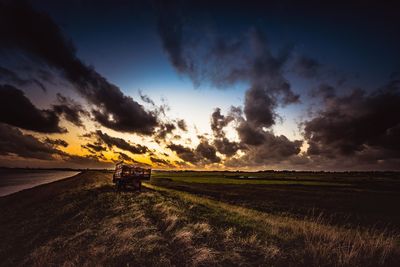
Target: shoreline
[{"x": 23, "y": 187}]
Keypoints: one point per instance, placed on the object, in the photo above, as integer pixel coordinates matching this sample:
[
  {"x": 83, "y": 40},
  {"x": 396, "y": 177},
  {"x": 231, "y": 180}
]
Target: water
[{"x": 12, "y": 181}]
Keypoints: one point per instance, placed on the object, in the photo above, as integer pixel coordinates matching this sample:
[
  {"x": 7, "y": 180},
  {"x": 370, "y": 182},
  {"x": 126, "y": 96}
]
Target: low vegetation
[
  {"x": 83, "y": 221},
  {"x": 363, "y": 199}
]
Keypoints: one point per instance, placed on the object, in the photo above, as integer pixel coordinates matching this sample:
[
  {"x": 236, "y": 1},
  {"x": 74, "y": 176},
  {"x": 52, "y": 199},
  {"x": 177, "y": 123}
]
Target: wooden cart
[{"x": 130, "y": 175}]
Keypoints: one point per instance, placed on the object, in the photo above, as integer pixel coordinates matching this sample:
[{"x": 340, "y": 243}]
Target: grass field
[
  {"x": 179, "y": 220},
  {"x": 358, "y": 199}
]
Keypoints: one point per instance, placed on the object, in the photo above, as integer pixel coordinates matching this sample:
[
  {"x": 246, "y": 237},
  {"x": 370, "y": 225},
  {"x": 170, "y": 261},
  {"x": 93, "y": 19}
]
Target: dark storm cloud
[
  {"x": 360, "y": 124},
  {"x": 94, "y": 147},
  {"x": 36, "y": 34},
  {"x": 203, "y": 154},
  {"x": 222, "y": 144},
  {"x": 163, "y": 130},
  {"x": 185, "y": 153},
  {"x": 125, "y": 157},
  {"x": 11, "y": 77},
  {"x": 161, "y": 162},
  {"x": 170, "y": 29},
  {"x": 227, "y": 61},
  {"x": 87, "y": 161},
  {"x": 345, "y": 126},
  {"x": 166, "y": 129},
  {"x": 259, "y": 107},
  {"x": 17, "y": 110},
  {"x": 71, "y": 110},
  {"x": 263, "y": 146},
  {"x": 13, "y": 141},
  {"x": 218, "y": 122},
  {"x": 120, "y": 143},
  {"x": 274, "y": 149},
  {"x": 56, "y": 142},
  {"x": 226, "y": 147},
  {"x": 207, "y": 151},
  {"x": 259, "y": 147},
  {"x": 250, "y": 135}
]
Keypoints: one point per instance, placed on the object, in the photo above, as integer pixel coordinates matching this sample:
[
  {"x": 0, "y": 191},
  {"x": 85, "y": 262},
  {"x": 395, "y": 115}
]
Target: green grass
[
  {"x": 218, "y": 179},
  {"x": 320, "y": 244},
  {"x": 362, "y": 199}
]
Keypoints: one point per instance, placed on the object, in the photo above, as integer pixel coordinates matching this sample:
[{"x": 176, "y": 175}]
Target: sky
[{"x": 205, "y": 85}]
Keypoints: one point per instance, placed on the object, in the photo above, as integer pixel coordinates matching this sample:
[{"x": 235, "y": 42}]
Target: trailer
[{"x": 130, "y": 175}]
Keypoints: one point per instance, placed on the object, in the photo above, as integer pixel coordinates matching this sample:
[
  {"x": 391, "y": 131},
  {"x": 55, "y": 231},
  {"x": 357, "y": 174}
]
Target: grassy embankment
[{"x": 82, "y": 220}]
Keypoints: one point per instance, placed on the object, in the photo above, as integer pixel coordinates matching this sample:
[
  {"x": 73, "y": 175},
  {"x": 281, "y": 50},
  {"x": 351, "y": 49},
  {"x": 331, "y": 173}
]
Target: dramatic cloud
[
  {"x": 163, "y": 130},
  {"x": 36, "y": 34},
  {"x": 221, "y": 45},
  {"x": 11, "y": 77},
  {"x": 203, "y": 154},
  {"x": 88, "y": 161},
  {"x": 259, "y": 107},
  {"x": 207, "y": 151},
  {"x": 222, "y": 144},
  {"x": 259, "y": 147},
  {"x": 71, "y": 110},
  {"x": 161, "y": 162},
  {"x": 124, "y": 157},
  {"x": 120, "y": 143},
  {"x": 170, "y": 29},
  {"x": 219, "y": 58},
  {"x": 94, "y": 147},
  {"x": 13, "y": 141},
  {"x": 273, "y": 149},
  {"x": 56, "y": 142},
  {"x": 250, "y": 135},
  {"x": 17, "y": 110},
  {"x": 218, "y": 122},
  {"x": 185, "y": 153},
  {"x": 361, "y": 125},
  {"x": 223, "y": 61},
  {"x": 226, "y": 147}
]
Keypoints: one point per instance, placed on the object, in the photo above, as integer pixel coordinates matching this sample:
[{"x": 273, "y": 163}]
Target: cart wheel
[{"x": 118, "y": 186}]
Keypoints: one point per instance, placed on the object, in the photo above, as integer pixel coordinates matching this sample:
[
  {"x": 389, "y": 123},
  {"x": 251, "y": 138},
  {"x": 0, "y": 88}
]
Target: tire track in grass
[
  {"x": 216, "y": 243},
  {"x": 170, "y": 219}
]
